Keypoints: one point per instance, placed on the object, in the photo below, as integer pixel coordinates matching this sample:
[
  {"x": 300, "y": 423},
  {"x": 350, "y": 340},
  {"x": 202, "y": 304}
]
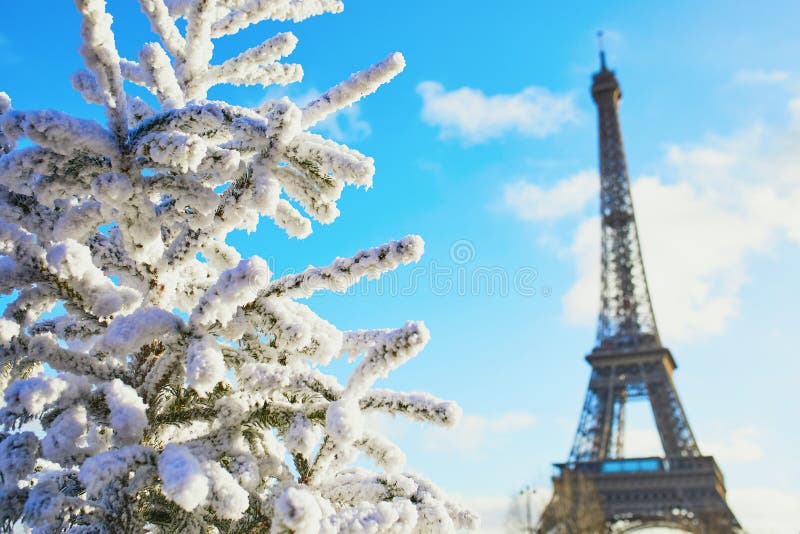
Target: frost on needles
[{"x": 179, "y": 386}]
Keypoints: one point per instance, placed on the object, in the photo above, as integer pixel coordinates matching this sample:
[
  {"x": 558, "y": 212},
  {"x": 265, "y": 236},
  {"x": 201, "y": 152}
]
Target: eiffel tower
[{"x": 684, "y": 488}]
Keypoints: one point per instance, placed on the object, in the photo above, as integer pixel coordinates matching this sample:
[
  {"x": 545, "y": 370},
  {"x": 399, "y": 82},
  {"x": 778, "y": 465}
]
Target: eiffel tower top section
[{"x": 626, "y": 320}]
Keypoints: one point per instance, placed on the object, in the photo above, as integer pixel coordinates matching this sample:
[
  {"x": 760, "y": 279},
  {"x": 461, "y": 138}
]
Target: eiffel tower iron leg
[
  {"x": 671, "y": 421},
  {"x": 619, "y": 424},
  {"x": 607, "y": 420}
]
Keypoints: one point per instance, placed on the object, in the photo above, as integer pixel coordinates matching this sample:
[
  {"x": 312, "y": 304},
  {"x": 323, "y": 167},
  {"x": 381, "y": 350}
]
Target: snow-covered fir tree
[{"x": 180, "y": 387}]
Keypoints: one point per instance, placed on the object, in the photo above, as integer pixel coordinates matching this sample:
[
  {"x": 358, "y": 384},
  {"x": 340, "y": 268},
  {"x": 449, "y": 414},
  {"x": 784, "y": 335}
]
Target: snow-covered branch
[
  {"x": 164, "y": 26},
  {"x": 256, "y": 65},
  {"x": 100, "y": 54},
  {"x": 199, "y": 48},
  {"x": 179, "y": 387},
  {"x": 59, "y": 132},
  {"x": 249, "y": 12},
  {"x": 159, "y": 76},
  {"x": 353, "y": 89},
  {"x": 344, "y": 272}
]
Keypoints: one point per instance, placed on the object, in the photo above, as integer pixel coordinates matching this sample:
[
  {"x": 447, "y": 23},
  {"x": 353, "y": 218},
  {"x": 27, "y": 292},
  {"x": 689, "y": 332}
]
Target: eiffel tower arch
[{"x": 683, "y": 488}]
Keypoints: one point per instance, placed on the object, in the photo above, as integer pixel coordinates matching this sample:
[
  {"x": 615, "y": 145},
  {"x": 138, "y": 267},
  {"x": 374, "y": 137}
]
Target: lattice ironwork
[
  {"x": 618, "y": 378},
  {"x": 629, "y": 363},
  {"x": 626, "y": 313}
]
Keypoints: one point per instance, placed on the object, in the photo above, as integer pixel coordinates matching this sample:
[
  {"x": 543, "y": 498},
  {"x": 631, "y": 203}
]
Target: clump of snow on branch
[
  {"x": 179, "y": 386},
  {"x": 182, "y": 478}
]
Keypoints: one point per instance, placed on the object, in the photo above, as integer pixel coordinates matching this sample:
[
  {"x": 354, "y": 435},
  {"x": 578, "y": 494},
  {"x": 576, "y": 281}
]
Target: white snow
[
  {"x": 128, "y": 412},
  {"x": 353, "y": 89},
  {"x": 226, "y": 496},
  {"x": 8, "y": 330},
  {"x": 182, "y": 478},
  {"x": 72, "y": 262},
  {"x": 296, "y": 510},
  {"x": 18, "y": 454},
  {"x": 169, "y": 363},
  {"x": 30, "y": 396},
  {"x": 126, "y": 334},
  {"x": 235, "y": 287},
  {"x": 205, "y": 365}
]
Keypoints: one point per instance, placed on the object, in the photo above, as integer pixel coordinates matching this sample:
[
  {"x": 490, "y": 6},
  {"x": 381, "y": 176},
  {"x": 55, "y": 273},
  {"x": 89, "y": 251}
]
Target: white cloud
[
  {"x": 733, "y": 197},
  {"x": 491, "y": 510},
  {"x": 473, "y": 435},
  {"x": 694, "y": 248},
  {"x": 346, "y": 125},
  {"x": 642, "y": 442},
  {"x": 473, "y": 117},
  {"x": 504, "y": 514},
  {"x": 530, "y": 202},
  {"x": 740, "y": 446},
  {"x": 581, "y": 301},
  {"x": 765, "y": 510},
  {"x": 761, "y": 77},
  {"x": 474, "y": 432}
]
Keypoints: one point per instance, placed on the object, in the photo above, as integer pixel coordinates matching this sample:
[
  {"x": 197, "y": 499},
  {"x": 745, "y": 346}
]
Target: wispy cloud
[
  {"x": 641, "y": 442},
  {"x": 492, "y": 511},
  {"x": 475, "y": 435},
  {"x": 347, "y": 125},
  {"x": 694, "y": 248},
  {"x": 473, "y": 117},
  {"x": 531, "y": 202},
  {"x": 760, "y": 77},
  {"x": 765, "y": 510},
  {"x": 732, "y": 197},
  {"x": 742, "y": 445},
  {"x": 503, "y": 514},
  {"x": 473, "y": 432}
]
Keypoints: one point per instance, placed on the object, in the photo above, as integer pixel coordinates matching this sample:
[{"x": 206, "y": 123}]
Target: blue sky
[{"x": 486, "y": 146}]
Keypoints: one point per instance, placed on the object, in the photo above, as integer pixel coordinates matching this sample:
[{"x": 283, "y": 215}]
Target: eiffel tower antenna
[
  {"x": 683, "y": 488},
  {"x": 601, "y": 47}
]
